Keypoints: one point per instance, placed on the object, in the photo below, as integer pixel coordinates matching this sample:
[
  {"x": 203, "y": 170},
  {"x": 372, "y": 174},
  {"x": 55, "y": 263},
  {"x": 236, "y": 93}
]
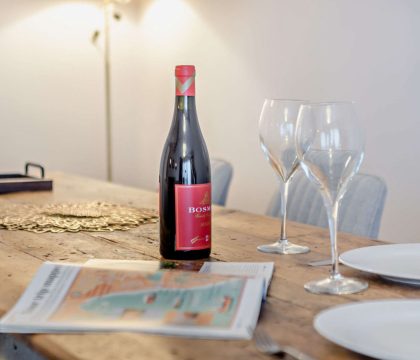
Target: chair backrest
[
  {"x": 221, "y": 175},
  {"x": 360, "y": 211}
]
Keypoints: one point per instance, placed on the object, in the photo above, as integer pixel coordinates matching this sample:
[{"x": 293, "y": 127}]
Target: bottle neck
[
  {"x": 185, "y": 115},
  {"x": 186, "y": 104},
  {"x": 185, "y": 85},
  {"x": 185, "y": 112}
]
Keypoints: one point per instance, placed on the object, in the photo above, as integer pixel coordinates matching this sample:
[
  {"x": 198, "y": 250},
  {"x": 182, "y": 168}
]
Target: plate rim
[
  {"x": 357, "y": 347},
  {"x": 376, "y": 272}
]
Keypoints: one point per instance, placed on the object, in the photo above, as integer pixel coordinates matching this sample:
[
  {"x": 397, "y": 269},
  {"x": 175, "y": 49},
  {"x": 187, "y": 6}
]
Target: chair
[
  {"x": 360, "y": 211},
  {"x": 221, "y": 175}
]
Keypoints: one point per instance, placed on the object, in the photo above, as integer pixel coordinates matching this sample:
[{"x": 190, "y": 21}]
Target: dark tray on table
[{"x": 24, "y": 182}]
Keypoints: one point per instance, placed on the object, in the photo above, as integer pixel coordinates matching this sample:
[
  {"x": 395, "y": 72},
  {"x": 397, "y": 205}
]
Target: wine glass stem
[
  {"x": 284, "y": 191},
  {"x": 332, "y": 212}
]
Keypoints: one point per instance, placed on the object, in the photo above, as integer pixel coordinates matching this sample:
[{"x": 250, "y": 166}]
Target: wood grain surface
[{"x": 287, "y": 314}]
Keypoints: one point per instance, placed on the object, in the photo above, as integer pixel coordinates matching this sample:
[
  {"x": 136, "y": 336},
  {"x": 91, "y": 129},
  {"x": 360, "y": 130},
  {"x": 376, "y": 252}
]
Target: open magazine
[
  {"x": 249, "y": 269},
  {"x": 68, "y": 297}
]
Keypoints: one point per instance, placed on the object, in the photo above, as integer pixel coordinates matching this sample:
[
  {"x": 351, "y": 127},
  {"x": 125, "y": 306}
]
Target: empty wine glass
[
  {"x": 277, "y": 139},
  {"x": 330, "y": 147}
]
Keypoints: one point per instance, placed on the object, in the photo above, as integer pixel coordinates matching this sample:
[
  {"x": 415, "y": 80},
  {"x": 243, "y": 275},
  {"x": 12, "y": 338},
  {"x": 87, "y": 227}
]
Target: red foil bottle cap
[
  {"x": 185, "y": 70},
  {"x": 185, "y": 80}
]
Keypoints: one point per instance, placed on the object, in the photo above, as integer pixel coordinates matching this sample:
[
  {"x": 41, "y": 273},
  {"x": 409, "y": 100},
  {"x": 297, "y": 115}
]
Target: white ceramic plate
[
  {"x": 387, "y": 329},
  {"x": 402, "y": 281},
  {"x": 396, "y": 262}
]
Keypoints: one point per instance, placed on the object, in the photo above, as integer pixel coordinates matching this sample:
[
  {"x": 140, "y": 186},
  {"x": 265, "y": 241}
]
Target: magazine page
[
  {"x": 139, "y": 265},
  {"x": 250, "y": 269},
  {"x": 145, "y": 265},
  {"x": 78, "y": 298},
  {"x": 43, "y": 295}
]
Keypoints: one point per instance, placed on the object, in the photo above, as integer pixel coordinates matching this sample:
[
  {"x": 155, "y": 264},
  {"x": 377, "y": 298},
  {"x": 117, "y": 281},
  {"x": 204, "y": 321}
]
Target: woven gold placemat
[{"x": 73, "y": 217}]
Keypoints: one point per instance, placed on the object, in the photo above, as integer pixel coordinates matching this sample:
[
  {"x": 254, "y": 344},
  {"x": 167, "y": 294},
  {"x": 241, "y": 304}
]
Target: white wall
[
  {"x": 51, "y": 107},
  {"x": 51, "y": 82}
]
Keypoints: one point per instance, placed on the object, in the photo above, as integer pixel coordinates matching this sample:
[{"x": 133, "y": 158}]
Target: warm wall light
[{"x": 164, "y": 18}]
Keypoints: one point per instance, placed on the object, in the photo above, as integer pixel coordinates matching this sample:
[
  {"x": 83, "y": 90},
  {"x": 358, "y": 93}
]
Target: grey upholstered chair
[
  {"x": 221, "y": 175},
  {"x": 360, "y": 210}
]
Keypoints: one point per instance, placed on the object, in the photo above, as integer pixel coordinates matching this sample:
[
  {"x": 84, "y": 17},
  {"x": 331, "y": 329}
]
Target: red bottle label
[{"x": 193, "y": 216}]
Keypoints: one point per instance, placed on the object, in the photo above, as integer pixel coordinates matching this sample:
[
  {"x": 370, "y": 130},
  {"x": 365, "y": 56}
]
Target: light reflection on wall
[
  {"x": 166, "y": 20},
  {"x": 65, "y": 15}
]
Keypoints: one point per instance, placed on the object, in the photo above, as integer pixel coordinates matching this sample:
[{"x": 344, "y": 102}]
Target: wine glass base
[
  {"x": 283, "y": 247},
  {"x": 336, "y": 285}
]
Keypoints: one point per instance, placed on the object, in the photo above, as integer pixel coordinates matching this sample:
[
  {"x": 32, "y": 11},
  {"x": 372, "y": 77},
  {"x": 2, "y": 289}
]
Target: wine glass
[
  {"x": 330, "y": 147},
  {"x": 277, "y": 139}
]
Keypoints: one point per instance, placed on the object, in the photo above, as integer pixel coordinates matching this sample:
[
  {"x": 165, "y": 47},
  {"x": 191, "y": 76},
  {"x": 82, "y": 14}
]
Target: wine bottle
[{"x": 184, "y": 179}]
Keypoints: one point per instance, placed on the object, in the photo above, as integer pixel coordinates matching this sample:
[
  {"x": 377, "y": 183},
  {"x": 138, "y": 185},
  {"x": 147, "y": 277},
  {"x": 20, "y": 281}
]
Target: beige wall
[{"x": 51, "y": 85}]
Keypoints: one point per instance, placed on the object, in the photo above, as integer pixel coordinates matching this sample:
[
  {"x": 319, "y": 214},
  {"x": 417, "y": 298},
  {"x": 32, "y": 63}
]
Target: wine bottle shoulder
[
  {"x": 186, "y": 161},
  {"x": 185, "y": 158}
]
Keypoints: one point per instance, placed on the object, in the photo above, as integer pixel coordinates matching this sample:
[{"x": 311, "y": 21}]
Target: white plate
[
  {"x": 387, "y": 329},
  {"x": 397, "y": 262},
  {"x": 402, "y": 281}
]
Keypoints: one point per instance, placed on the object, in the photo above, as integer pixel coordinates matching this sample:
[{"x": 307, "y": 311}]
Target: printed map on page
[{"x": 165, "y": 297}]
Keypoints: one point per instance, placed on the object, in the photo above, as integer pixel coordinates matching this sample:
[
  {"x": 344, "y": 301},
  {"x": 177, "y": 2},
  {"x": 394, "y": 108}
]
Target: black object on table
[{"x": 25, "y": 182}]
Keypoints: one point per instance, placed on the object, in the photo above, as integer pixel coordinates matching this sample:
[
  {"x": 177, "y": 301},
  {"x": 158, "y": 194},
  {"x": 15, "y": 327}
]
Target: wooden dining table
[{"x": 287, "y": 314}]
